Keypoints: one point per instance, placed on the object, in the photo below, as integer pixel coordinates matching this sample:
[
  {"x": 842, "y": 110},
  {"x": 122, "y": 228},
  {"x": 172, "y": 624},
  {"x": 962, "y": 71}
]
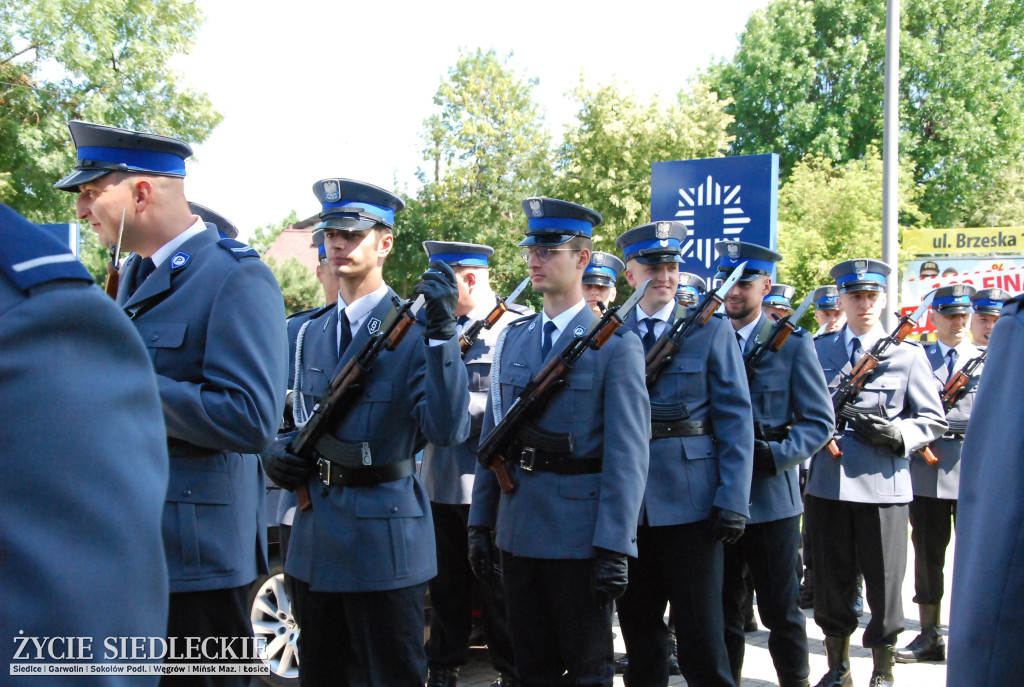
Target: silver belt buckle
[
  {"x": 527, "y": 457},
  {"x": 324, "y": 467}
]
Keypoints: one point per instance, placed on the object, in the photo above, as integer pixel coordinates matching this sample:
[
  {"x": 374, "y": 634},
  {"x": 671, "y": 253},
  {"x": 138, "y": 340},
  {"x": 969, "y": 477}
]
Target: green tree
[
  {"x": 301, "y": 289},
  {"x": 263, "y": 238},
  {"x": 104, "y": 61},
  {"x": 486, "y": 149},
  {"x": 604, "y": 162},
  {"x": 829, "y": 213},
  {"x": 807, "y": 78}
]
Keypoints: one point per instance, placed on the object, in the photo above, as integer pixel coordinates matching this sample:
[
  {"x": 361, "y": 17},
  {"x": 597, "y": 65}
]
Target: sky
[{"x": 312, "y": 89}]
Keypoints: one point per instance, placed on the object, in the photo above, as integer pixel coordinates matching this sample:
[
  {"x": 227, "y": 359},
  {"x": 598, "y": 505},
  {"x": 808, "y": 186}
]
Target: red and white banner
[{"x": 1005, "y": 273}]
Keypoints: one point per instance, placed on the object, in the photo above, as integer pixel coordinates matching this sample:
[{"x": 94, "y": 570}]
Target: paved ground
[{"x": 758, "y": 670}]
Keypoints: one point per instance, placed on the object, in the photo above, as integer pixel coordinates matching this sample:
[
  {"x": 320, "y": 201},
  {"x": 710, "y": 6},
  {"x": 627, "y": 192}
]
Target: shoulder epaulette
[
  {"x": 325, "y": 309},
  {"x": 719, "y": 314},
  {"x": 912, "y": 342},
  {"x": 824, "y": 334},
  {"x": 31, "y": 257},
  {"x": 520, "y": 309},
  {"x": 799, "y": 331},
  {"x": 238, "y": 249},
  {"x": 522, "y": 320},
  {"x": 300, "y": 312}
]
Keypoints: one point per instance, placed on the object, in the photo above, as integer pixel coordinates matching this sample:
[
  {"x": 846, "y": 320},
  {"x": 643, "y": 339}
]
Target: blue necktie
[
  {"x": 545, "y": 345},
  {"x": 649, "y": 339},
  {"x": 951, "y": 357},
  {"x": 857, "y": 352},
  {"x": 346, "y": 333},
  {"x": 146, "y": 267}
]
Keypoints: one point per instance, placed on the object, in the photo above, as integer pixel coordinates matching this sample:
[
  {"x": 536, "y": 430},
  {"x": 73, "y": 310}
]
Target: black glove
[
  {"x": 726, "y": 525},
  {"x": 763, "y": 459},
  {"x": 481, "y": 554},
  {"x": 877, "y": 431},
  {"x": 610, "y": 576},
  {"x": 441, "y": 291},
  {"x": 286, "y": 469}
]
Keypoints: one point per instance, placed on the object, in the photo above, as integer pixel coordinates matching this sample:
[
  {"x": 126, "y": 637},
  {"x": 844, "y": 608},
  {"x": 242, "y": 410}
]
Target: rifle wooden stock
[
  {"x": 929, "y": 457},
  {"x": 470, "y": 336},
  {"x": 344, "y": 388},
  {"x": 778, "y": 336},
  {"x": 665, "y": 347},
  {"x": 112, "y": 282}
]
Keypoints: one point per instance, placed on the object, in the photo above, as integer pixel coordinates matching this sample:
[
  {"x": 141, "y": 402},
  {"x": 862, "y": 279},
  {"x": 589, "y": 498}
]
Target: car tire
[{"x": 270, "y": 610}]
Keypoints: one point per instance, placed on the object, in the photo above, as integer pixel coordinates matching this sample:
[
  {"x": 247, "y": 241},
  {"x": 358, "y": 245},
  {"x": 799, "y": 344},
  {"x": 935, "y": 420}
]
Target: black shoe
[
  {"x": 927, "y": 646},
  {"x": 883, "y": 657},
  {"x": 442, "y": 677},
  {"x": 837, "y": 650},
  {"x": 673, "y": 665},
  {"x": 621, "y": 664}
]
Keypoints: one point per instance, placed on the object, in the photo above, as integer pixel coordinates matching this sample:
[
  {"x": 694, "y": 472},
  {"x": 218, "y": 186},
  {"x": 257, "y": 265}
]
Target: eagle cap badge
[
  {"x": 662, "y": 230},
  {"x": 733, "y": 249},
  {"x": 598, "y": 259},
  {"x": 860, "y": 267},
  {"x": 536, "y": 207},
  {"x": 332, "y": 192}
]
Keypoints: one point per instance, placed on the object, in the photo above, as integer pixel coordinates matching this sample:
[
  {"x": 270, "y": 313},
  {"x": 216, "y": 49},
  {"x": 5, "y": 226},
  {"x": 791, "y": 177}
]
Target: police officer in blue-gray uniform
[
  {"x": 84, "y": 462},
  {"x": 579, "y": 465},
  {"x": 858, "y": 502},
  {"x": 210, "y": 313},
  {"x": 792, "y": 420},
  {"x": 933, "y": 510},
  {"x": 987, "y": 304},
  {"x": 224, "y": 227},
  {"x": 599, "y": 280},
  {"x": 698, "y": 487},
  {"x": 986, "y": 624},
  {"x": 826, "y": 310},
  {"x": 360, "y": 558},
  {"x": 779, "y": 300},
  {"x": 447, "y": 474},
  {"x": 691, "y": 289}
]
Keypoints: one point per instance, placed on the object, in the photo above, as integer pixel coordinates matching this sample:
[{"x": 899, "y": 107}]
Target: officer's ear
[
  {"x": 630, "y": 279},
  {"x": 583, "y": 259},
  {"x": 385, "y": 242},
  {"x": 766, "y": 287},
  {"x": 142, "y": 193}
]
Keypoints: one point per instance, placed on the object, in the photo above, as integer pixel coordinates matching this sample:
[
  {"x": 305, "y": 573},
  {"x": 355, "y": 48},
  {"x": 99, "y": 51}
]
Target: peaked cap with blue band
[
  {"x": 603, "y": 269},
  {"x": 458, "y": 253},
  {"x": 349, "y": 205},
  {"x": 760, "y": 261},
  {"x": 990, "y": 301},
  {"x": 780, "y": 296},
  {"x": 653, "y": 243},
  {"x": 861, "y": 274},
  {"x": 691, "y": 288},
  {"x": 826, "y": 298},
  {"x": 226, "y": 229},
  {"x": 954, "y": 299},
  {"x": 105, "y": 149},
  {"x": 552, "y": 222},
  {"x": 31, "y": 256}
]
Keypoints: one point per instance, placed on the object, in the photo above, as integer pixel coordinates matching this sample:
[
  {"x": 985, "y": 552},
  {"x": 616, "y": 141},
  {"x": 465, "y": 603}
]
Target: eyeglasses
[{"x": 541, "y": 253}]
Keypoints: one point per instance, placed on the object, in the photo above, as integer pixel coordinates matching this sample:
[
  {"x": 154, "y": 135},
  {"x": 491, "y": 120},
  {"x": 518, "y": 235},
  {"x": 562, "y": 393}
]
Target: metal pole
[{"x": 890, "y": 161}]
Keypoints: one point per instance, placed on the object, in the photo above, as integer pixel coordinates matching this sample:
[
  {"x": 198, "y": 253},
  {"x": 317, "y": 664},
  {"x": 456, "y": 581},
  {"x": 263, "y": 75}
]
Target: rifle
[
  {"x": 343, "y": 389},
  {"x": 114, "y": 266},
  {"x": 540, "y": 389},
  {"x": 470, "y": 336},
  {"x": 956, "y": 387},
  {"x": 664, "y": 348},
  {"x": 852, "y": 384},
  {"x": 780, "y": 332}
]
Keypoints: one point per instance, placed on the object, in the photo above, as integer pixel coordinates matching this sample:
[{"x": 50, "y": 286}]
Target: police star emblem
[
  {"x": 332, "y": 192},
  {"x": 860, "y": 267},
  {"x": 536, "y": 207},
  {"x": 662, "y": 230}
]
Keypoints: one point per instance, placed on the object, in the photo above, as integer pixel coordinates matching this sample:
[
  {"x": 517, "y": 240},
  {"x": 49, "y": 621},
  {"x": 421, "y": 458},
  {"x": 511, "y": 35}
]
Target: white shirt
[
  {"x": 168, "y": 249},
  {"x": 360, "y": 308},
  {"x": 662, "y": 317},
  {"x": 746, "y": 331},
  {"x": 561, "y": 321},
  {"x": 964, "y": 350},
  {"x": 867, "y": 340}
]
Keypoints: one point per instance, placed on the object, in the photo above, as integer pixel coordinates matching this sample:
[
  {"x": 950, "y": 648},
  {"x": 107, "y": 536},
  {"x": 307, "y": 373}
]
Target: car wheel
[{"x": 270, "y": 610}]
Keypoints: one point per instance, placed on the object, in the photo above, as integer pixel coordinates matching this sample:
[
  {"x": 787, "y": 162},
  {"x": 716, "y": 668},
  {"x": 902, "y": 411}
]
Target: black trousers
[
  {"x": 931, "y": 522},
  {"x": 555, "y": 624},
  {"x": 771, "y": 551},
  {"x": 681, "y": 565},
  {"x": 452, "y": 594},
  {"x": 213, "y": 613},
  {"x": 360, "y": 638},
  {"x": 875, "y": 535}
]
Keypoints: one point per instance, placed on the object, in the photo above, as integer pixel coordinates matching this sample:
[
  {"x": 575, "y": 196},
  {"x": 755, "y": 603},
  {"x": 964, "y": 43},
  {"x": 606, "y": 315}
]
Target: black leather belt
[
  {"x": 351, "y": 465},
  {"x": 336, "y": 475},
  {"x": 763, "y": 433},
  {"x": 537, "y": 450},
  {"x": 177, "y": 448},
  {"x": 956, "y": 430},
  {"x": 680, "y": 428}
]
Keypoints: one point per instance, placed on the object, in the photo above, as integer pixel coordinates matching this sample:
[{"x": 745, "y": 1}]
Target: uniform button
[
  {"x": 155, "y": 337},
  {"x": 394, "y": 509},
  {"x": 186, "y": 492},
  {"x": 447, "y": 363},
  {"x": 593, "y": 493}
]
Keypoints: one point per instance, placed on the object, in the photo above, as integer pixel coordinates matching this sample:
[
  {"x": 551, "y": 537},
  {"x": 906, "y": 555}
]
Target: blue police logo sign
[
  {"x": 719, "y": 199},
  {"x": 179, "y": 260},
  {"x": 579, "y": 331},
  {"x": 533, "y": 325}
]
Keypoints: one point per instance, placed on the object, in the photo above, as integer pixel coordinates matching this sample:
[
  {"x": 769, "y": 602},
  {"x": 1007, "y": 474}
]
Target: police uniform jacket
[
  {"x": 604, "y": 405},
  {"x": 379, "y": 537},
  {"x": 787, "y": 390},
  {"x": 447, "y": 471},
  {"x": 986, "y": 622},
  {"x": 84, "y": 457},
  {"x": 942, "y": 480},
  {"x": 211, "y": 317},
  {"x": 704, "y": 381},
  {"x": 903, "y": 387}
]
